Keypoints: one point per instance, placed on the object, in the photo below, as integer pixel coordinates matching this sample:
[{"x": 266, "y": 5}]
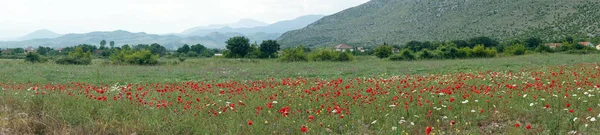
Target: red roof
[{"x": 343, "y": 46}]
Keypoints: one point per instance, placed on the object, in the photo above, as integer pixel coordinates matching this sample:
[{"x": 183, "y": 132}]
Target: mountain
[
  {"x": 39, "y": 34},
  {"x": 399, "y": 21},
  {"x": 244, "y": 23},
  {"x": 212, "y": 40},
  {"x": 279, "y": 27}
]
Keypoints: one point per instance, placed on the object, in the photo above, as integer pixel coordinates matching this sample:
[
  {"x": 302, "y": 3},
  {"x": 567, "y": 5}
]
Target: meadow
[{"x": 531, "y": 94}]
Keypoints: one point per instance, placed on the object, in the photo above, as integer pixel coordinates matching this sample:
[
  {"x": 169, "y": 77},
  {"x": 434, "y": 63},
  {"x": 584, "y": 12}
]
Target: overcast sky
[{"x": 19, "y": 17}]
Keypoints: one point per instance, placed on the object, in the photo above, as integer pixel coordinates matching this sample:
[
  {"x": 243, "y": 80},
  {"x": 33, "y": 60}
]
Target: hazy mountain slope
[
  {"x": 39, "y": 34},
  {"x": 399, "y": 21},
  {"x": 279, "y": 27},
  {"x": 212, "y": 40},
  {"x": 244, "y": 23}
]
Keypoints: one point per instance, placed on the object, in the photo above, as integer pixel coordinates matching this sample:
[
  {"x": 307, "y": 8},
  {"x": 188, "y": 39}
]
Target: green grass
[
  {"x": 242, "y": 69},
  {"x": 67, "y": 98}
]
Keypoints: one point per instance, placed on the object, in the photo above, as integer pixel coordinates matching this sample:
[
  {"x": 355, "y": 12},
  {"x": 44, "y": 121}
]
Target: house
[
  {"x": 29, "y": 49},
  {"x": 553, "y": 45},
  {"x": 395, "y": 50},
  {"x": 361, "y": 49},
  {"x": 586, "y": 44},
  {"x": 343, "y": 47}
]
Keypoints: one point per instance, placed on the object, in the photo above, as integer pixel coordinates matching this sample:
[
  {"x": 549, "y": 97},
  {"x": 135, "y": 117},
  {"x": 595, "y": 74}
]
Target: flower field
[{"x": 559, "y": 99}]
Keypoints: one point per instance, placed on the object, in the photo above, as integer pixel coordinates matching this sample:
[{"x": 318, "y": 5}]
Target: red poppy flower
[
  {"x": 304, "y": 129},
  {"x": 311, "y": 118},
  {"x": 428, "y": 130},
  {"x": 568, "y": 105},
  {"x": 250, "y": 122},
  {"x": 547, "y": 106},
  {"x": 528, "y": 126},
  {"x": 517, "y": 125},
  {"x": 571, "y": 111}
]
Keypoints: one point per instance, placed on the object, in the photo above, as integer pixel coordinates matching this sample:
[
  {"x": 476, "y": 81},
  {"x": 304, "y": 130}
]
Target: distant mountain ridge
[
  {"x": 211, "y": 38},
  {"x": 279, "y": 27},
  {"x": 399, "y": 21}
]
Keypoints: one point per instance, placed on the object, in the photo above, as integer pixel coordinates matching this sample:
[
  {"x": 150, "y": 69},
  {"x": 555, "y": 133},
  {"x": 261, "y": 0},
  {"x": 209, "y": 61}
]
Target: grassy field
[
  {"x": 532, "y": 94},
  {"x": 243, "y": 69}
]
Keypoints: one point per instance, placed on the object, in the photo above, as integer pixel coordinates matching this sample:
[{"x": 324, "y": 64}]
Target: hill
[
  {"x": 39, "y": 34},
  {"x": 399, "y": 21},
  {"x": 212, "y": 40},
  {"x": 278, "y": 27}
]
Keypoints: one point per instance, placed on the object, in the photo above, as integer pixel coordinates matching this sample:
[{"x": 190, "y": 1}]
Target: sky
[{"x": 19, "y": 17}]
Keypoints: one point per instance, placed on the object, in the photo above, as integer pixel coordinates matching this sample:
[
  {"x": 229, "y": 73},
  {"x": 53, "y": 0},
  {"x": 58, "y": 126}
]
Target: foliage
[
  {"x": 405, "y": 54},
  {"x": 141, "y": 57},
  {"x": 383, "y": 51},
  {"x": 517, "y": 49},
  {"x": 479, "y": 51},
  {"x": 425, "y": 54},
  {"x": 269, "y": 48},
  {"x": 34, "y": 57},
  {"x": 330, "y": 55},
  {"x": 238, "y": 47},
  {"x": 78, "y": 57},
  {"x": 294, "y": 55},
  {"x": 543, "y": 49}
]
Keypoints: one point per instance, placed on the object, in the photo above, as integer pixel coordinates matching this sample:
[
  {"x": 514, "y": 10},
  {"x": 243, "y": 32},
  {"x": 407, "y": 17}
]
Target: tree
[
  {"x": 383, "y": 51},
  {"x": 253, "y": 51},
  {"x": 34, "y": 58},
  {"x": 112, "y": 44},
  {"x": 414, "y": 46},
  {"x": 158, "y": 49},
  {"x": 103, "y": 43},
  {"x": 269, "y": 48},
  {"x": 533, "y": 43},
  {"x": 485, "y": 41},
  {"x": 184, "y": 49},
  {"x": 238, "y": 46}
]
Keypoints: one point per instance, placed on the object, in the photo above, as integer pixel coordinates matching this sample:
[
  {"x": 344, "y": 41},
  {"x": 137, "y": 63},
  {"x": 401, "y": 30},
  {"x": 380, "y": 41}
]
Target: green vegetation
[
  {"x": 398, "y": 22},
  {"x": 34, "y": 57},
  {"x": 78, "y": 57}
]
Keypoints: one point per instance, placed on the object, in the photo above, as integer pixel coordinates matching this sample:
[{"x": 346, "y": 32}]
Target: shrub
[
  {"x": 34, "y": 58},
  {"x": 425, "y": 54},
  {"x": 345, "y": 56},
  {"x": 323, "y": 55},
  {"x": 480, "y": 51},
  {"x": 78, "y": 57},
  {"x": 143, "y": 57},
  {"x": 383, "y": 51},
  {"x": 516, "y": 49},
  {"x": 544, "y": 49},
  {"x": 405, "y": 54},
  {"x": 293, "y": 55}
]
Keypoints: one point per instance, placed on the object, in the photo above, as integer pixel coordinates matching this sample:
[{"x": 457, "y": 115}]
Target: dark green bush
[
  {"x": 34, "y": 58},
  {"x": 405, "y": 54},
  {"x": 425, "y": 54},
  {"x": 383, "y": 51}
]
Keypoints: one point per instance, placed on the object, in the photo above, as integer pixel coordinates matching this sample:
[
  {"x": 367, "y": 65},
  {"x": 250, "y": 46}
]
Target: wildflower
[
  {"x": 428, "y": 130},
  {"x": 304, "y": 129},
  {"x": 568, "y": 105},
  {"x": 528, "y": 126},
  {"x": 394, "y": 128},
  {"x": 571, "y": 111},
  {"x": 250, "y": 122},
  {"x": 517, "y": 125},
  {"x": 311, "y": 118},
  {"x": 375, "y": 121},
  {"x": 547, "y": 106},
  {"x": 593, "y": 119}
]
